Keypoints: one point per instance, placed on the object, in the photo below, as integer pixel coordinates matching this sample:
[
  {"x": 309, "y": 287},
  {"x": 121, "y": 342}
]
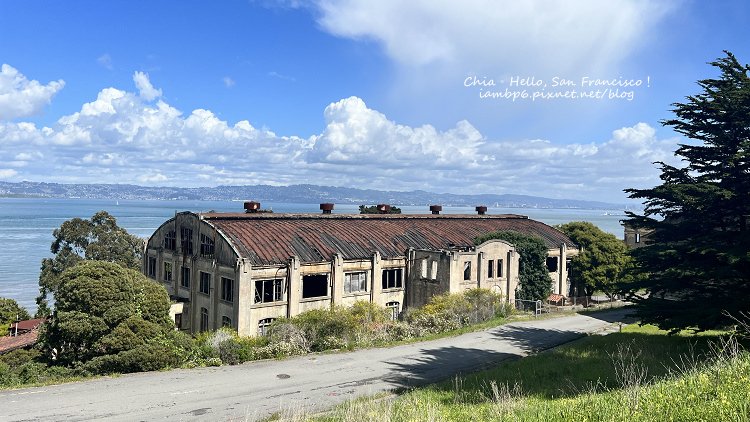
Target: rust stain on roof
[{"x": 271, "y": 239}]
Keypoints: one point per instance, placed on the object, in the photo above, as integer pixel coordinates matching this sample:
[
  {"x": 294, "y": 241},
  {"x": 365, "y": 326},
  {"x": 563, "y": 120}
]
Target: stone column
[
  {"x": 337, "y": 279},
  {"x": 294, "y": 284},
  {"x": 376, "y": 285}
]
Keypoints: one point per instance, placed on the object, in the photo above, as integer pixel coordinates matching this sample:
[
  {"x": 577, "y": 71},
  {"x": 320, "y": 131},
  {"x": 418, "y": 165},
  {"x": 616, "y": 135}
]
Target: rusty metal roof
[{"x": 271, "y": 239}]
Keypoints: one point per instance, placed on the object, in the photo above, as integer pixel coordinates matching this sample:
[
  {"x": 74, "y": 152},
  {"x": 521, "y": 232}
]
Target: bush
[{"x": 455, "y": 310}]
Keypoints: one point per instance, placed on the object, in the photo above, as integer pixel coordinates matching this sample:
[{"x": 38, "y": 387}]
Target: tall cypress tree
[{"x": 696, "y": 269}]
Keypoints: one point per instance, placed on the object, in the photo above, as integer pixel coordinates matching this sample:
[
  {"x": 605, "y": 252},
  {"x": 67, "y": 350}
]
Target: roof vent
[
  {"x": 252, "y": 206},
  {"x": 436, "y": 209},
  {"x": 384, "y": 208},
  {"x": 326, "y": 208},
  {"x": 481, "y": 209}
]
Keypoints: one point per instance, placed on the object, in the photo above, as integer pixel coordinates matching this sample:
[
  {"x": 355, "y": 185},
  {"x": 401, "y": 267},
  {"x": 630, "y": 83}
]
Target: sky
[{"x": 553, "y": 98}]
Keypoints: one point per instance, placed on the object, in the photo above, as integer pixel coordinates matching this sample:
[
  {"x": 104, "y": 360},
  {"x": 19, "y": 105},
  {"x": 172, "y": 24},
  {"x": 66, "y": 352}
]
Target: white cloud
[
  {"x": 228, "y": 82},
  {"x": 20, "y": 97},
  {"x": 541, "y": 33},
  {"x": 7, "y": 173},
  {"x": 105, "y": 61},
  {"x": 123, "y": 137},
  {"x": 147, "y": 91}
]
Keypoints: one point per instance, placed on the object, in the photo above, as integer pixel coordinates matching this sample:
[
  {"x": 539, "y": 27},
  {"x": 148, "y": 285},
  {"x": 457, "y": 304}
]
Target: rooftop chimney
[
  {"x": 481, "y": 209},
  {"x": 326, "y": 208},
  {"x": 436, "y": 209},
  {"x": 384, "y": 208},
  {"x": 252, "y": 206}
]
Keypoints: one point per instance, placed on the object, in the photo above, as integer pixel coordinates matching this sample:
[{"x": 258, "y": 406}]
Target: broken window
[
  {"x": 433, "y": 270},
  {"x": 499, "y": 268},
  {"x": 205, "y": 283},
  {"x": 267, "y": 291},
  {"x": 186, "y": 240},
  {"x": 178, "y": 320},
  {"x": 167, "y": 272},
  {"x": 552, "y": 264},
  {"x": 226, "y": 321},
  {"x": 227, "y": 289},
  {"x": 467, "y": 270},
  {"x": 424, "y": 268},
  {"x": 152, "y": 267},
  {"x": 263, "y": 326},
  {"x": 394, "y": 308},
  {"x": 491, "y": 268},
  {"x": 170, "y": 240},
  {"x": 392, "y": 278},
  {"x": 207, "y": 246},
  {"x": 314, "y": 285},
  {"x": 204, "y": 319},
  {"x": 355, "y": 282},
  {"x": 185, "y": 278}
]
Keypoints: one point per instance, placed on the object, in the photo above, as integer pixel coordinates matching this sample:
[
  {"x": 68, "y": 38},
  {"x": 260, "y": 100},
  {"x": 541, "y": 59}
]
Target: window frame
[
  {"x": 361, "y": 284},
  {"x": 263, "y": 325},
  {"x": 186, "y": 240},
  {"x": 168, "y": 272},
  {"x": 491, "y": 268},
  {"x": 227, "y": 291},
  {"x": 170, "y": 240},
  {"x": 208, "y": 246},
  {"x": 398, "y": 282},
  {"x": 185, "y": 277},
  {"x": 500, "y": 268},
  {"x": 277, "y": 291},
  {"x": 204, "y": 282},
  {"x": 467, "y": 270},
  {"x": 204, "y": 319},
  {"x": 152, "y": 261}
]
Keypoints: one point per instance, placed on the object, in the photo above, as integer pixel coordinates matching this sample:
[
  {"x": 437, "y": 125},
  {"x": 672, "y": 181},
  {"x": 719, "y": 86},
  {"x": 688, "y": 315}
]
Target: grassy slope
[{"x": 639, "y": 374}]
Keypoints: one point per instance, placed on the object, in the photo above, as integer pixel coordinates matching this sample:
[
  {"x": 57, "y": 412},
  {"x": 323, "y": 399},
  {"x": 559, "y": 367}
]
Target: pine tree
[{"x": 696, "y": 271}]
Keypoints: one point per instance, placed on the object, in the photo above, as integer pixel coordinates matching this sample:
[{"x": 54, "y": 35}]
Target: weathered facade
[{"x": 246, "y": 269}]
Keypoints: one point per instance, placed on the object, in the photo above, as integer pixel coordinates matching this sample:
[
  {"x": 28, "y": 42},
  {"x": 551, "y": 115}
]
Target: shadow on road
[
  {"x": 625, "y": 315},
  {"x": 531, "y": 339},
  {"x": 439, "y": 364}
]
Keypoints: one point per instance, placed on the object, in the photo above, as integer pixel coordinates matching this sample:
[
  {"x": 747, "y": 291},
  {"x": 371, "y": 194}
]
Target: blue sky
[{"x": 353, "y": 93}]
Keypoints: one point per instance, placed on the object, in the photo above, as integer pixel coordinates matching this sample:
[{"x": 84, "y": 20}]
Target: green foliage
[
  {"x": 9, "y": 311},
  {"x": 98, "y": 238},
  {"x": 110, "y": 319},
  {"x": 534, "y": 280},
  {"x": 452, "y": 311},
  {"x": 696, "y": 271},
  {"x": 602, "y": 261},
  {"x": 373, "y": 209}
]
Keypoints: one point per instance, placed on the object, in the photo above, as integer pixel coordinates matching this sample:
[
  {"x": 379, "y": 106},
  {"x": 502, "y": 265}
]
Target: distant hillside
[{"x": 291, "y": 194}]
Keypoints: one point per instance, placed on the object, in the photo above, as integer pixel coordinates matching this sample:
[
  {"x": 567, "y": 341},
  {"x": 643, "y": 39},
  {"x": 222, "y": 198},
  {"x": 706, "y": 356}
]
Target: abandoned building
[
  {"x": 635, "y": 237},
  {"x": 243, "y": 270}
]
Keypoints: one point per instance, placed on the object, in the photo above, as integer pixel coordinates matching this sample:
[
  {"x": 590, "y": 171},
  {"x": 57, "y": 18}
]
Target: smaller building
[
  {"x": 21, "y": 335},
  {"x": 636, "y": 237}
]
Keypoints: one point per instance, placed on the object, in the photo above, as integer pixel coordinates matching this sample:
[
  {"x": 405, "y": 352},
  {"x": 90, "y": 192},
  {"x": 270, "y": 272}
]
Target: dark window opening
[
  {"x": 205, "y": 283},
  {"x": 637, "y": 238},
  {"x": 185, "y": 279},
  {"x": 204, "y": 319},
  {"x": 267, "y": 291},
  {"x": 178, "y": 320},
  {"x": 263, "y": 326},
  {"x": 467, "y": 270},
  {"x": 392, "y": 278},
  {"x": 499, "y": 268},
  {"x": 170, "y": 240},
  {"x": 227, "y": 289},
  {"x": 491, "y": 268},
  {"x": 186, "y": 240},
  {"x": 152, "y": 267},
  {"x": 314, "y": 285},
  {"x": 355, "y": 282},
  {"x": 167, "y": 272},
  {"x": 552, "y": 264},
  {"x": 207, "y": 246},
  {"x": 226, "y": 321}
]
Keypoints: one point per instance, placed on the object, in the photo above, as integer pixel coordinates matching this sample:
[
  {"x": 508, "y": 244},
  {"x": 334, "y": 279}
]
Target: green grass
[{"x": 640, "y": 374}]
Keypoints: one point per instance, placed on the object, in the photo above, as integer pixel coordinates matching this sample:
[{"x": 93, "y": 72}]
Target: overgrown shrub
[{"x": 455, "y": 310}]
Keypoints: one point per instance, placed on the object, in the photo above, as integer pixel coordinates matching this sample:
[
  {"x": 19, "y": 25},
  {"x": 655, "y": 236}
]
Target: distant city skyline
[{"x": 545, "y": 98}]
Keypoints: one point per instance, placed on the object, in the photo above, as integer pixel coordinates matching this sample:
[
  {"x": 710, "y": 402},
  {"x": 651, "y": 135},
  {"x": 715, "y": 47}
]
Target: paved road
[{"x": 314, "y": 382}]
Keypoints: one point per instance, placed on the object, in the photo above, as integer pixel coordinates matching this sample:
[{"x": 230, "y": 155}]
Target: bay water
[{"x": 26, "y": 226}]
